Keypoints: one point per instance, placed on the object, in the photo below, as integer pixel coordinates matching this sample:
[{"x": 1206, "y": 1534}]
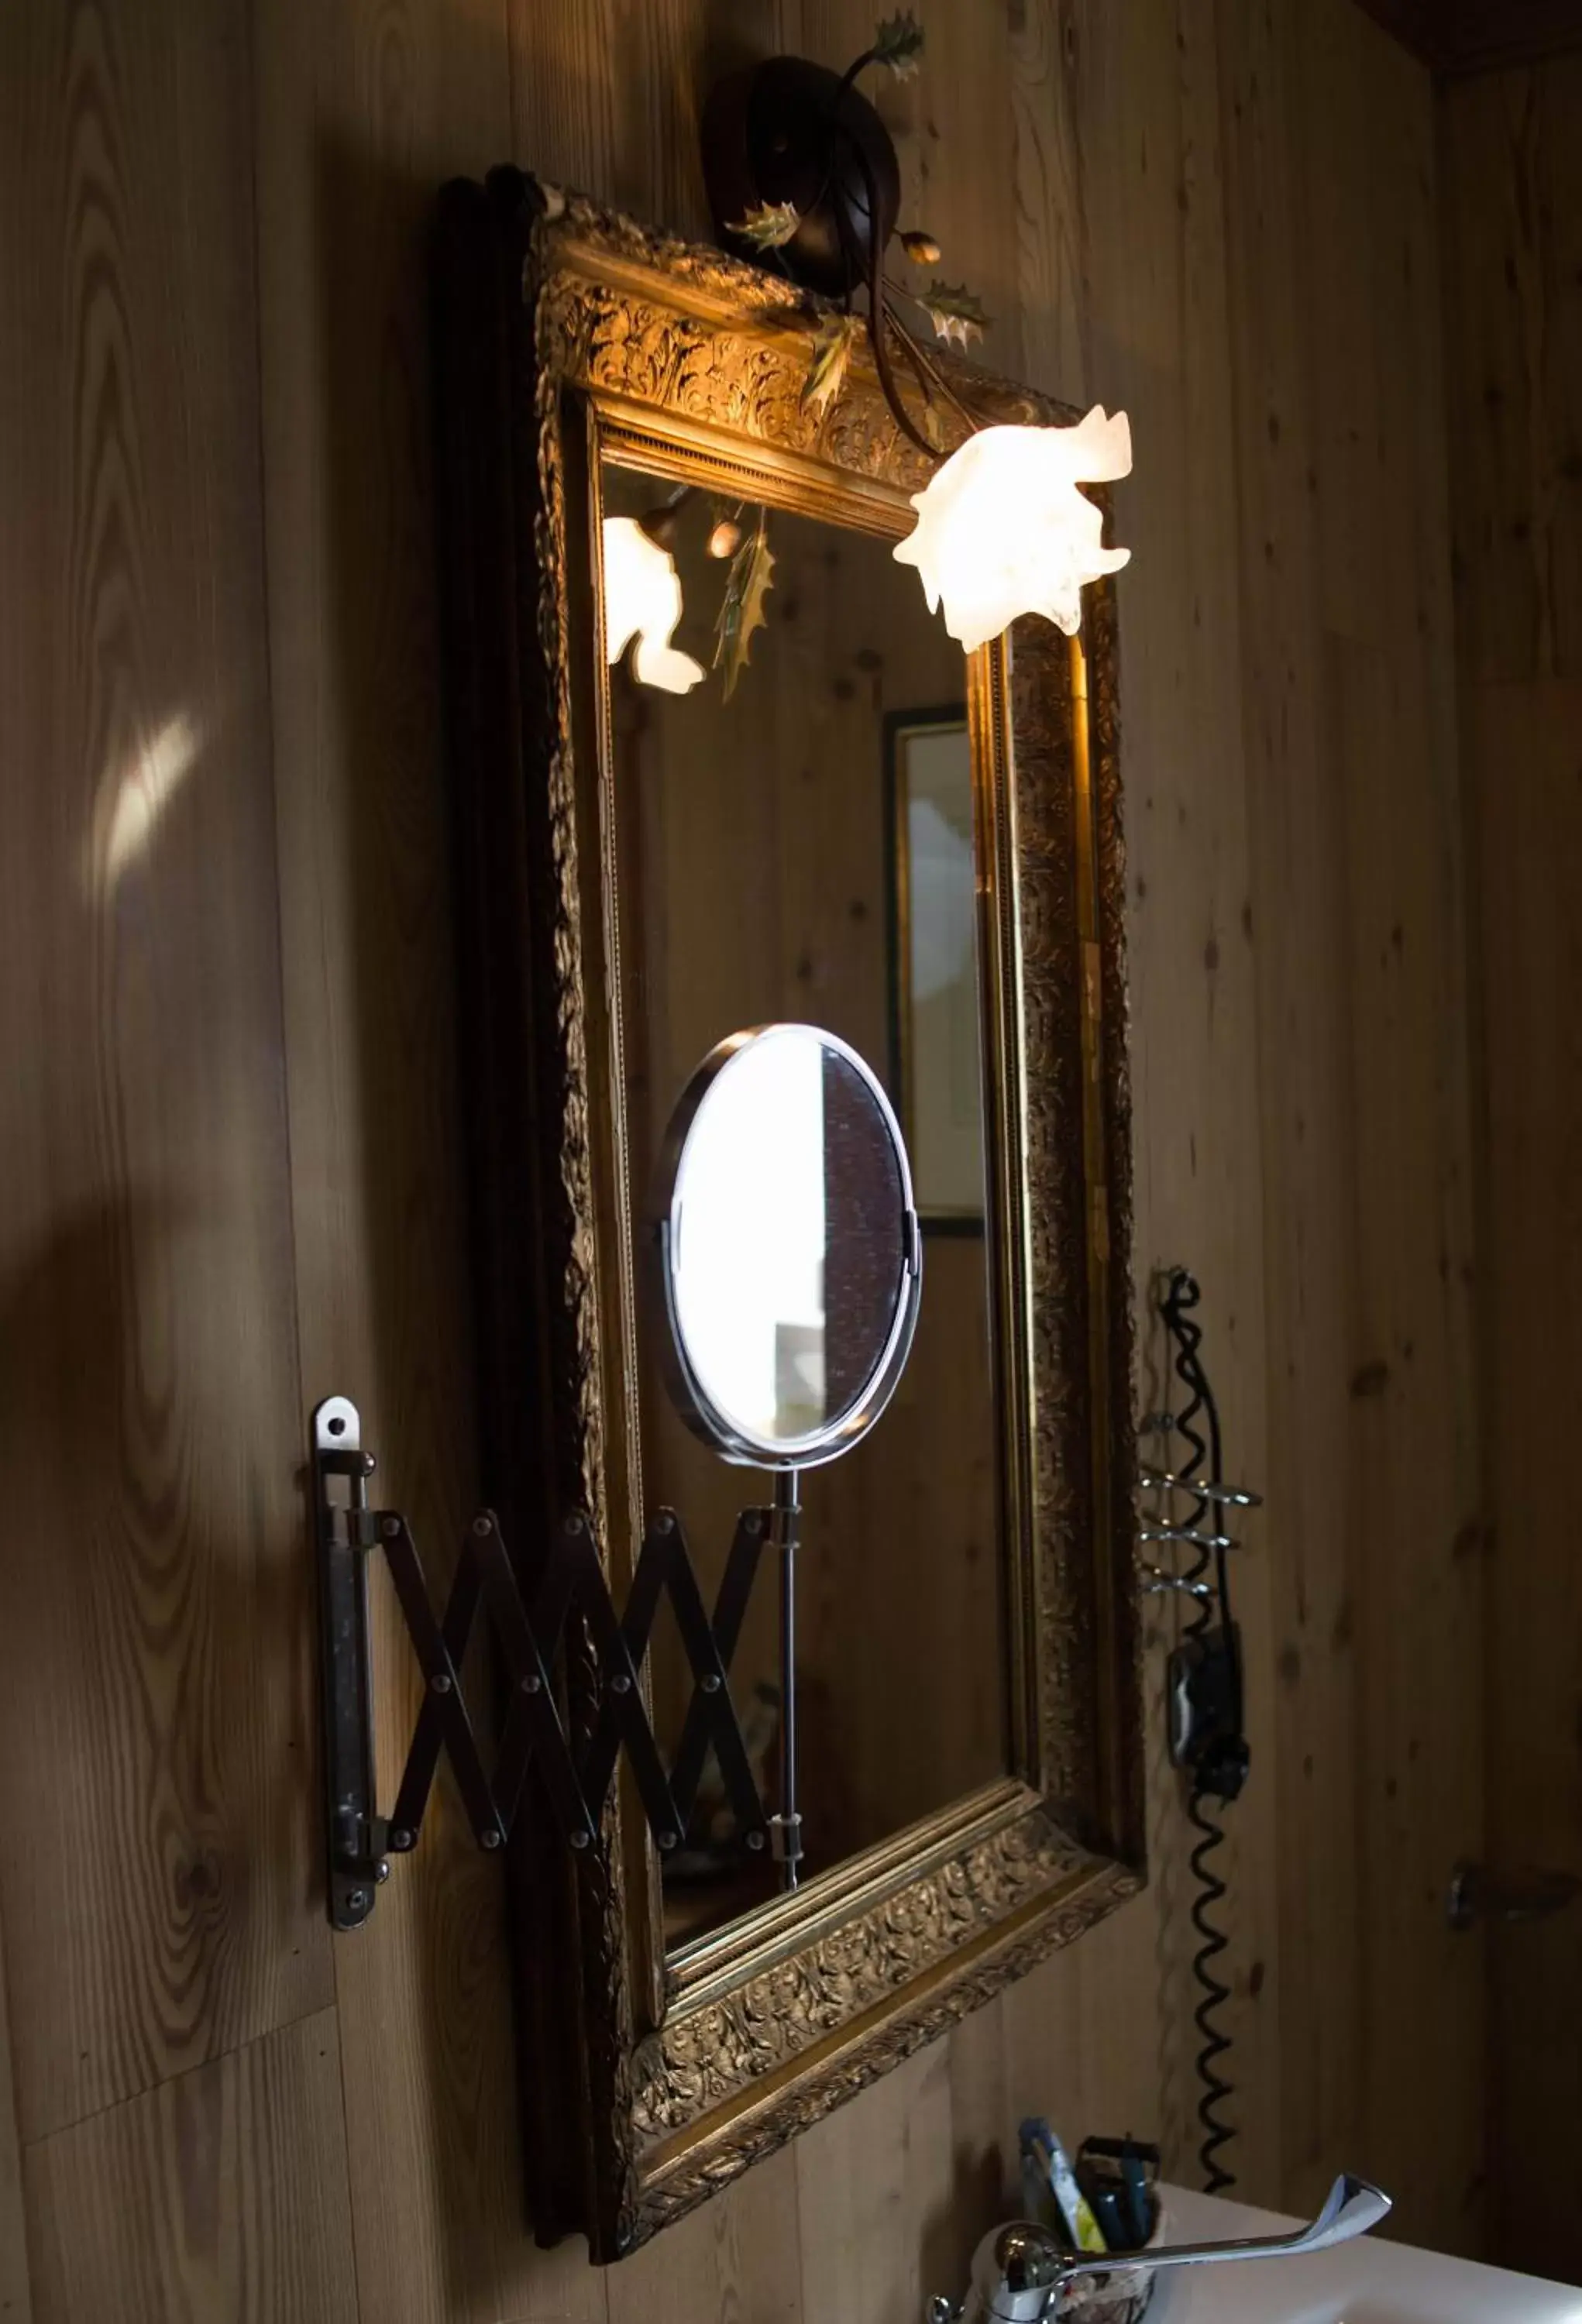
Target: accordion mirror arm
[{"x": 573, "y": 1782}]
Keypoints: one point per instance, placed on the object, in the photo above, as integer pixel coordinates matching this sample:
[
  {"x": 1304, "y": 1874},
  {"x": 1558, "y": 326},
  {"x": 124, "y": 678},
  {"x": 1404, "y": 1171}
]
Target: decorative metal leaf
[
  {"x": 955, "y": 312},
  {"x": 833, "y": 343},
  {"x": 741, "y": 611},
  {"x": 899, "y": 43},
  {"x": 768, "y": 225}
]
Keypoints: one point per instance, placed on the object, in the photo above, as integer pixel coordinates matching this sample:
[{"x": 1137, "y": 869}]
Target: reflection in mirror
[
  {"x": 759, "y": 880},
  {"x": 936, "y": 1057},
  {"x": 788, "y": 1232}
]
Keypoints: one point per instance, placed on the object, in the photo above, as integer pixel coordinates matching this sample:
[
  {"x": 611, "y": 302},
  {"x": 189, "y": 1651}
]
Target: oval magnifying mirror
[
  {"x": 793, "y": 1271},
  {"x": 793, "y": 1261}
]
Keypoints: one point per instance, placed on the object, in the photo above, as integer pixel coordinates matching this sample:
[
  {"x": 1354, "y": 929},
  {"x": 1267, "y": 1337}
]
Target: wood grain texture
[
  {"x": 220, "y": 2195},
  {"x": 1305, "y": 1103},
  {"x": 15, "y": 2294},
  {"x": 1159, "y": 338},
  {"x": 739, "y": 2258},
  {"x": 1389, "y": 723},
  {"x": 1514, "y": 319},
  {"x": 1216, "y": 212},
  {"x": 157, "y": 1831},
  {"x": 876, "y": 2186},
  {"x": 1524, "y": 758},
  {"x": 1513, "y": 211},
  {"x": 359, "y": 119},
  {"x": 1364, "y": 1103}
]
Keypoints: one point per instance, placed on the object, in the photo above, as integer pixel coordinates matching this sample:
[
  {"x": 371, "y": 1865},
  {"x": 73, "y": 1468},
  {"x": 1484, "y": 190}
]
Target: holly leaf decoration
[
  {"x": 833, "y": 343},
  {"x": 899, "y": 43},
  {"x": 741, "y": 612},
  {"x": 956, "y": 313},
  {"x": 768, "y": 225}
]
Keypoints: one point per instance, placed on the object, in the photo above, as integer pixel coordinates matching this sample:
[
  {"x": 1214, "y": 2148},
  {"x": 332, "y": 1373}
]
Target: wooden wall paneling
[
  {"x": 738, "y": 2257},
  {"x": 157, "y": 1834},
  {"x": 1305, "y": 1098},
  {"x": 1513, "y": 320},
  {"x": 1417, "y": 1628},
  {"x": 1081, "y": 2041},
  {"x": 1046, "y": 51},
  {"x": 605, "y": 96},
  {"x": 1512, "y": 171},
  {"x": 1170, "y": 230},
  {"x": 221, "y": 2194},
  {"x": 984, "y": 2169},
  {"x": 876, "y": 2194},
  {"x": 1356, "y": 790},
  {"x": 361, "y": 117},
  {"x": 1158, "y": 336},
  {"x": 15, "y": 2292},
  {"x": 1526, "y": 821}
]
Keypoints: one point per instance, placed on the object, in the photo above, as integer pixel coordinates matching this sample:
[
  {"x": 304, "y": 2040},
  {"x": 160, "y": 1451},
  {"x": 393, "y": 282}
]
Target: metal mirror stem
[{"x": 786, "y": 1527}]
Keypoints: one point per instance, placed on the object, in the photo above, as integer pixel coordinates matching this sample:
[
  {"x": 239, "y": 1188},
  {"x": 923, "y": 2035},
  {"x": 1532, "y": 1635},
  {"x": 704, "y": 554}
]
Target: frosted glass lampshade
[
  {"x": 643, "y": 600},
  {"x": 1002, "y": 529}
]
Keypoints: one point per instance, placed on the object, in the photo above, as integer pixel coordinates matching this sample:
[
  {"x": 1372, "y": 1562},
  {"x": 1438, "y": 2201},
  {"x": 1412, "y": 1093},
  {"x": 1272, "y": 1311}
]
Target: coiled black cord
[{"x": 1182, "y": 1297}]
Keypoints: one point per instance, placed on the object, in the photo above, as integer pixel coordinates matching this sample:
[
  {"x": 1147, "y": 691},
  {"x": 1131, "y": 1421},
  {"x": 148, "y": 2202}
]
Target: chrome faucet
[{"x": 1021, "y": 2275}]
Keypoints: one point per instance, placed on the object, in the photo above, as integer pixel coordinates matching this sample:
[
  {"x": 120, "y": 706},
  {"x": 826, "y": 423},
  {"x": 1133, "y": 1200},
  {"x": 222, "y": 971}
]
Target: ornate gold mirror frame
[{"x": 566, "y": 333}]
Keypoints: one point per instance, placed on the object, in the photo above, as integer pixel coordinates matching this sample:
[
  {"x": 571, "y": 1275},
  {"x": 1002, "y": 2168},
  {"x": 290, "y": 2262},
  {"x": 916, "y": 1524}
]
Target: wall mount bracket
[{"x": 572, "y": 1762}]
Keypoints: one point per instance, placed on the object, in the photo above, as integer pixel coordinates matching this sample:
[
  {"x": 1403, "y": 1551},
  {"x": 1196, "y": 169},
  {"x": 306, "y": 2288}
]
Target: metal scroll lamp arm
[{"x": 1020, "y": 2273}]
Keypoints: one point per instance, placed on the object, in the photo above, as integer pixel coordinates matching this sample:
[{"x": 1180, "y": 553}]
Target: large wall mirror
[
  {"x": 756, "y": 877},
  {"x": 718, "y": 766}
]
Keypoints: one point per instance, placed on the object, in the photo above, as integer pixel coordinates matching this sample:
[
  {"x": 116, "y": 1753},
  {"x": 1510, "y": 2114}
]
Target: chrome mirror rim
[{"x": 697, "y": 1407}]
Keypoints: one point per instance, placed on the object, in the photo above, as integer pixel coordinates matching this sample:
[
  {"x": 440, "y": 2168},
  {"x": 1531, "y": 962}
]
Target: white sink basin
[{"x": 1369, "y": 2281}]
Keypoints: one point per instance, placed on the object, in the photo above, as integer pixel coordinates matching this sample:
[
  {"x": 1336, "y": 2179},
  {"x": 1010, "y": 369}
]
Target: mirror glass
[
  {"x": 793, "y": 820},
  {"x": 788, "y": 1235}
]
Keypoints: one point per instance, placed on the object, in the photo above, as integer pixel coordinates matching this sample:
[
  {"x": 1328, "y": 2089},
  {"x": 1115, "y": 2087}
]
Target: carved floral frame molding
[{"x": 566, "y": 332}]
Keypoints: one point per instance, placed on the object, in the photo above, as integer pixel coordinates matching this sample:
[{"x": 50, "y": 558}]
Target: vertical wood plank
[
  {"x": 15, "y": 2293},
  {"x": 361, "y": 116},
  {"x": 1305, "y": 1100},
  {"x": 221, "y": 2195},
  {"x": 1513, "y": 204},
  {"x": 1047, "y": 59},
  {"x": 1420, "y": 1614},
  {"x": 607, "y": 96},
  {"x": 876, "y": 2191},
  {"x": 1513, "y": 336},
  {"x": 157, "y": 1835},
  {"x": 1216, "y": 212},
  {"x": 738, "y": 2257},
  {"x": 1524, "y": 759},
  {"x": 1159, "y": 337}
]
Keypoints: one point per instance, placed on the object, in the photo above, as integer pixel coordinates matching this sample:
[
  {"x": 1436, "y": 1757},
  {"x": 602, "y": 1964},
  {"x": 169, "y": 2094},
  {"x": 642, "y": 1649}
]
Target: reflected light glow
[
  {"x": 643, "y": 600},
  {"x": 751, "y": 1222},
  {"x": 1003, "y": 529},
  {"x": 132, "y": 797}
]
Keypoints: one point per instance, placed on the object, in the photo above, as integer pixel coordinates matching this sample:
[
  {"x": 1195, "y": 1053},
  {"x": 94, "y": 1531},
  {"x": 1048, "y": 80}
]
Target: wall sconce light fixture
[
  {"x": 1002, "y": 530},
  {"x": 801, "y": 172}
]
